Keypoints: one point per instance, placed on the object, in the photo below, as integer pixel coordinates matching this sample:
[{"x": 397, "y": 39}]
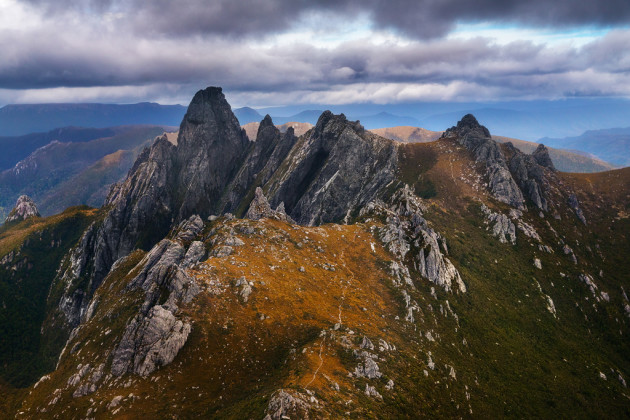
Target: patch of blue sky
[{"x": 507, "y": 33}]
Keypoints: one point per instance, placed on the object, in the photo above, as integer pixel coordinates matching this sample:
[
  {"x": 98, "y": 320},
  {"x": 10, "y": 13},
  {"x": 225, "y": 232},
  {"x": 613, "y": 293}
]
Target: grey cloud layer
[
  {"x": 50, "y": 59},
  {"x": 177, "y": 47},
  {"x": 416, "y": 18}
]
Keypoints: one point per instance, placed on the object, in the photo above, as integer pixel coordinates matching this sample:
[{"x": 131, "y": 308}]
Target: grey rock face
[
  {"x": 214, "y": 169},
  {"x": 332, "y": 172},
  {"x": 74, "y": 301},
  {"x": 502, "y": 227},
  {"x": 155, "y": 335},
  {"x": 407, "y": 229},
  {"x": 263, "y": 159},
  {"x": 24, "y": 208},
  {"x": 196, "y": 252},
  {"x": 512, "y": 177},
  {"x": 368, "y": 368},
  {"x": 370, "y": 391},
  {"x": 568, "y": 251},
  {"x": 90, "y": 385},
  {"x": 189, "y": 228},
  {"x": 166, "y": 184},
  {"x": 529, "y": 175},
  {"x": 150, "y": 342},
  {"x": 366, "y": 343},
  {"x": 211, "y": 149},
  {"x": 477, "y": 139}
]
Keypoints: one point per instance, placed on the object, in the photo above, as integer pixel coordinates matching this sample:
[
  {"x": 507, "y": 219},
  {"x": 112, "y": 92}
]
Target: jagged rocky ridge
[
  {"x": 215, "y": 169},
  {"x": 408, "y": 236},
  {"x": 24, "y": 208},
  {"x": 512, "y": 176},
  {"x": 333, "y": 173}
]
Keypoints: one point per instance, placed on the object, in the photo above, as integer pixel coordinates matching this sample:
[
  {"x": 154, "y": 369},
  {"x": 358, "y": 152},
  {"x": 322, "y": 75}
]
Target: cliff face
[
  {"x": 166, "y": 184},
  {"x": 332, "y": 172}
]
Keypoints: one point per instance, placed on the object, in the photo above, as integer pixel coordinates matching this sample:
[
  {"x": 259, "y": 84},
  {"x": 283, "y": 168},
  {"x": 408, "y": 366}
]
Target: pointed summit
[
  {"x": 476, "y": 138},
  {"x": 469, "y": 124},
  {"x": 24, "y": 208},
  {"x": 267, "y": 121},
  {"x": 541, "y": 154}
]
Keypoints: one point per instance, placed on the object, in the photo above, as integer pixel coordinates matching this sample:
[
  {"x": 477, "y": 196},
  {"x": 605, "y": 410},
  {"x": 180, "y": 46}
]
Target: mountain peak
[
  {"x": 469, "y": 123},
  {"x": 267, "y": 121},
  {"x": 24, "y": 208},
  {"x": 541, "y": 155}
]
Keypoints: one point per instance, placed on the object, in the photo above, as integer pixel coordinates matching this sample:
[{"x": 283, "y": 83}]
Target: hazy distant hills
[
  {"x": 54, "y": 175},
  {"x": 298, "y": 128},
  {"x": 16, "y": 148},
  {"x": 407, "y": 134},
  {"x": 17, "y": 120},
  {"x": 529, "y": 120},
  {"x": 564, "y": 160},
  {"x": 247, "y": 115},
  {"x": 612, "y": 145}
]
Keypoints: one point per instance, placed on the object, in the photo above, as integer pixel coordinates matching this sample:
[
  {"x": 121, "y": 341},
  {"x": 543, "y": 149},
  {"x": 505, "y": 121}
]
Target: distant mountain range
[
  {"x": 62, "y": 174},
  {"x": 528, "y": 120},
  {"x": 407, "y": 134},
  {"x": 18, "y": 120},
  {"x": 298, "y": 128},
  {"x": 16, "y": 148},
  {"x": 612, "y": 145}
]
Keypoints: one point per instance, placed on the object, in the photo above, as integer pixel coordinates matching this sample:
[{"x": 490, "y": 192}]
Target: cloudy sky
[{"x": 274, "y": 52}]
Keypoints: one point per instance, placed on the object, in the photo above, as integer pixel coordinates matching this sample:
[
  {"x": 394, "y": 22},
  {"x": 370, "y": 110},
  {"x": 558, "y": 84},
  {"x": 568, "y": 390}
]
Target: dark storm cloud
[{"x": 419, "y": 18}]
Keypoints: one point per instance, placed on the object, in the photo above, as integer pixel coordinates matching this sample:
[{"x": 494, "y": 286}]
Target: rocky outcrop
[
  {"x": 211, "y": 148},
  {"x": 407, "y": 230},
  {"x": 512, "y": 175},
  {"x": 149, "y": 342},
  {"x": 367, "y": 368},
  {"x": 214, "y": 168},
  {"x": 24, "y": 209},
  {"x": 166, "y": 184},
  {"x": 260, "y": 208},
  {"x": 264, "y": 158},
  {"x": 529, "y": 175},
  {"x": 541, "y": 155},
  {"x": 286, "y": 404},
  {"x": 575, "y": 206},
  {"x": 477, "y": 139},
  {"x": 502, "y": 227},
  {"x": 156, "y": 334}
]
